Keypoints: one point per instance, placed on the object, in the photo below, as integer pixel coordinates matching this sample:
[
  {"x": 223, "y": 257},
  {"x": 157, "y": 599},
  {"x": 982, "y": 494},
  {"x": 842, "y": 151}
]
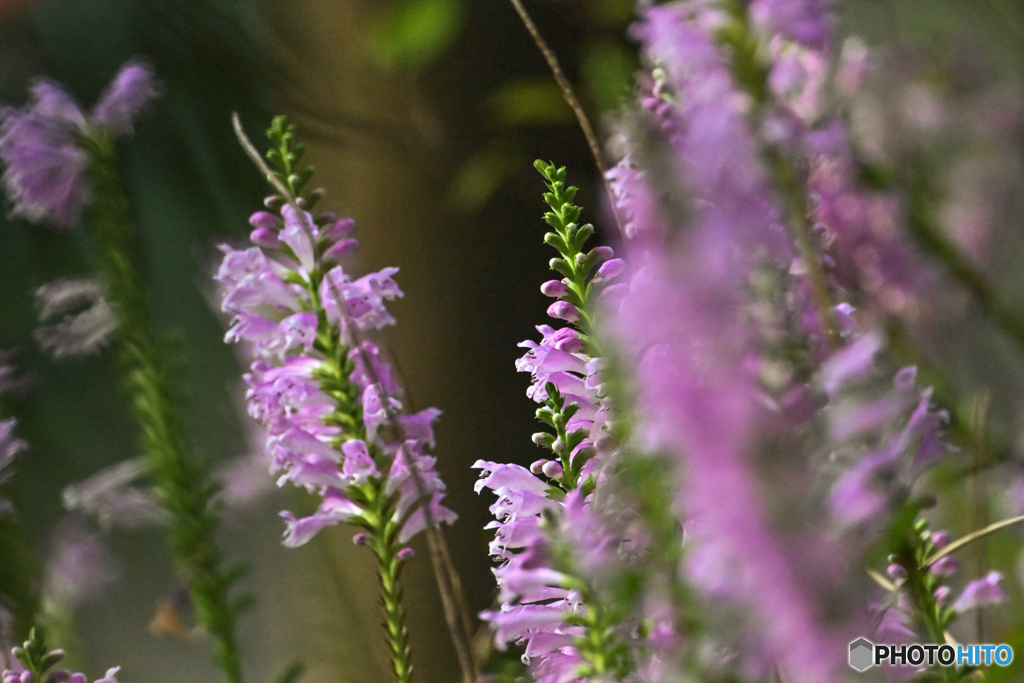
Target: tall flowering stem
[
  {"x": 327, "y": 399},
  {"x": 183, "y": 481},
  {"x": 560, "y": 552},
  {"x": 62, "y": 164}
]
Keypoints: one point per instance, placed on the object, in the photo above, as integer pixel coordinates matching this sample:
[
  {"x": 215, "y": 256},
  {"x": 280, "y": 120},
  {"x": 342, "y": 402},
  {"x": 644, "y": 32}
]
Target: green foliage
[{"x": 411, "y": 33}]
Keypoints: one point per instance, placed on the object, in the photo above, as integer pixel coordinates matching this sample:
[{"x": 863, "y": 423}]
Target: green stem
[
  {"x": 389, "y": 570},
  {"x": 379, "y": 520},
  {"x": 182, "y": 480},
  {"x": 924, "y": 600},
  {"x": 931, "y": 240}
]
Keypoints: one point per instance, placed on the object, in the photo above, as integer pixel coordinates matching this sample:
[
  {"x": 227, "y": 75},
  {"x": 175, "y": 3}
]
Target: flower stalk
[
  {"x": 327, "y": 399},
  {"x": 183, "y": 482}
]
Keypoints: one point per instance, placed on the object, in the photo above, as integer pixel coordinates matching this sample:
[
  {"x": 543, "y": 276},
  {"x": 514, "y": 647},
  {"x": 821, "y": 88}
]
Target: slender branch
[
  {"x": 971, "y": 537},
  {"x": 570, "y": 97}
]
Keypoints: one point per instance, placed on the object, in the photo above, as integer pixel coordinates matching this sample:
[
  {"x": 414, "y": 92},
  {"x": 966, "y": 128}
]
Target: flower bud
[
  {"x": 611, "y": 268},
  {"x": 563, "y": 310},
  {"x": 537, "y": 466},
  {"x": 552, "y": 470},
  {"x": 543, "y": 439},
  {"x": 265, "y": 237},
  {"x": 558, "y": 446},
  {"x": 946, "y": 565},
  {"x": 942, "y": 595},
  {"x": 263, "y": 219},
  {"x": 340, "y": 249},
  {"x": 405, "y": 554},
  {"x": 602, "y": 253},
  {"x": 361, "y": 538},
  {"x": 341, "y": 228},
  {"x": 326, "y": 218},
  {"x": 553, "y": 288},
  {"x": 897, "y": 572}
]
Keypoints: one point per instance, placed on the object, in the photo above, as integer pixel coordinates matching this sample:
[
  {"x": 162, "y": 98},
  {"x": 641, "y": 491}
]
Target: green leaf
[{"x": 413, "y": 33}]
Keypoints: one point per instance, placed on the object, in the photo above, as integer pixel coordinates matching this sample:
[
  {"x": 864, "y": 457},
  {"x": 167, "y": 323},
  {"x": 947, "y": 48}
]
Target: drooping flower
[
  {"x": 981, "y": 592},
  {"x": 86, "y": 322},
  {"x": 41, "y": 145}
]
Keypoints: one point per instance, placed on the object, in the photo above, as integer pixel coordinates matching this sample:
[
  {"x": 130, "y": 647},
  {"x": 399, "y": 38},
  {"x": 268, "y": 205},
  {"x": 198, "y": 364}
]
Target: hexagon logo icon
[{"x": 862, "y": 654}]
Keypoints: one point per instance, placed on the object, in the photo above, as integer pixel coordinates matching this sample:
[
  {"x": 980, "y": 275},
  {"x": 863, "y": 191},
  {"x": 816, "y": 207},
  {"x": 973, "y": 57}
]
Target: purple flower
[
  {"x": 41, "y": 145},
  {"x": 126, "y": 97},
  {"x": 87, "y": 321},
  {"x": 804, "y": 21},
  {"x": 80, "y": 567},
  {"x": 981, "y": 592}
]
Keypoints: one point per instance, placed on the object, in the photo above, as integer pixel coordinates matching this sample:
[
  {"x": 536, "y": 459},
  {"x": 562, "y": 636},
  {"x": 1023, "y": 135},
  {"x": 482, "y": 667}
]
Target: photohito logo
[{"x": 864, "y": 654}]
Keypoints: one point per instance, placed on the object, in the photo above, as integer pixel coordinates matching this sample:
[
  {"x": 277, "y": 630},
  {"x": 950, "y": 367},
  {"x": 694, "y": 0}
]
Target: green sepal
[
  {"x": 583, "y": 233},
  {"x": 555, "y": 240}
]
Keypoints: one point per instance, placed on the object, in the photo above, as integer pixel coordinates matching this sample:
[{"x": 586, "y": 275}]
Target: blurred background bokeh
[{"x": 423, "y": 118}]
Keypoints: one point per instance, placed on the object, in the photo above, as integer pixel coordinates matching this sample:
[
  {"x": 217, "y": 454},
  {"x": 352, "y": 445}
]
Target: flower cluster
[
  {"x": 929, "y": 605},
  {"x": 327, "y": 400},
  {"x": 45, "y": 146},
  {"x": 554, "y": 547},
  {"x": 898, "y": 426},
  {"x": 34, "y": 662},
  {"x": 732, "y": 309}
]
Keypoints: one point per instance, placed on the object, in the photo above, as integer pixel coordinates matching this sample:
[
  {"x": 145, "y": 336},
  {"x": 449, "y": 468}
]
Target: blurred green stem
[
  {"x": 183, "y": 482},
  {"x": 930, "y": 239}
]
